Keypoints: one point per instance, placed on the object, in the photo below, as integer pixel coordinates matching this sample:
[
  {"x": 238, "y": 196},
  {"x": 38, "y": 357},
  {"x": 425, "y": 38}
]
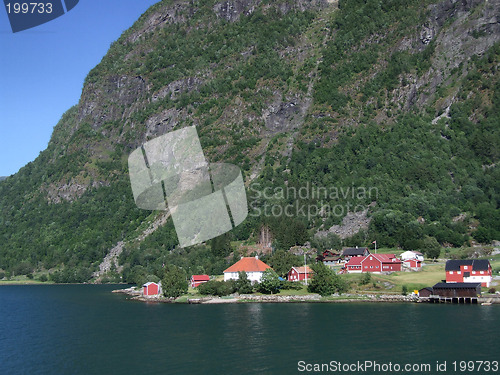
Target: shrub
[
  {"x": 404, "y": 290},
  {"x": 366, "y": 279},
  {"x": 217, "y": 288}
]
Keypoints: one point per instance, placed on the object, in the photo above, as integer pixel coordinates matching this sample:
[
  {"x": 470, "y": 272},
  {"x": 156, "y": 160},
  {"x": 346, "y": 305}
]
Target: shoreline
[{"x": 135, "y": 295}]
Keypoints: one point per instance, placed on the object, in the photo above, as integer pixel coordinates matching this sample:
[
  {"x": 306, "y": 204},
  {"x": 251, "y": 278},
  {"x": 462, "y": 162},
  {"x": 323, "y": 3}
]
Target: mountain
[{"x": 385, "y": 114}]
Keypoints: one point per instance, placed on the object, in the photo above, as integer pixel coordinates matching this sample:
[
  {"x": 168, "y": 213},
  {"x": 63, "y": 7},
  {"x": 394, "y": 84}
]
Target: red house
[
  {"x": 375, "y": 263},
  {"x": 299, "y": 273},
  {"x": 151, "y": 289},
  {"x": 469, "y": 271},
  {"x": 196, "y": 280}
]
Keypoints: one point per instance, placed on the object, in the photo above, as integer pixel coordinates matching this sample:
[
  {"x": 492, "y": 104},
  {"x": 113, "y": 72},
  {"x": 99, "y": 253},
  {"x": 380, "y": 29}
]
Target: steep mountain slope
[{"x": 400, "y": 97}]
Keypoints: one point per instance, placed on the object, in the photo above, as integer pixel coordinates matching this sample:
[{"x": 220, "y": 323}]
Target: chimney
[{"x": 256, "y": 257}]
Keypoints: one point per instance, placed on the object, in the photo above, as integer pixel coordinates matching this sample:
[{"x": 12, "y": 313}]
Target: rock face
[
  {"x": 459, "y": 30},
  {"x": 114, "y": 99},
  {"x": 352, "y": 223}
]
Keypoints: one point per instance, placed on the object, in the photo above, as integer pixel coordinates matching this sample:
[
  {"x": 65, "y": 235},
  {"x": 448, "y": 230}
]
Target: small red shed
[
  {"x": 150, "y": 289},
  {"x": 196, "y": 280},
  {"x": 299, "y": 273}
]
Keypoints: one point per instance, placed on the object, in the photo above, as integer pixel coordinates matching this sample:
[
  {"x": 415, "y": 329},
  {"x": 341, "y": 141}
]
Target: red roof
[
  {"x": 355, "y": 261},
  {"x": 383, "y": 258},
  {"x": 200, "y": 278},
  {"x": 248, "y": 264}
]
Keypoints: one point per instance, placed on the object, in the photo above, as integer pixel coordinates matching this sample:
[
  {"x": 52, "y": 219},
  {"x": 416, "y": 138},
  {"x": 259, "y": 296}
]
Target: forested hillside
[{"x": 396, "y": 100}]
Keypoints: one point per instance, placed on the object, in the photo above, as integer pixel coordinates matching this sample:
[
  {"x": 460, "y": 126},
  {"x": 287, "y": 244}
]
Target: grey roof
[
  {"x": 354, "y": 251},
  {"x": 477, "y": 264},
  {"x": 456, "y": 285}
]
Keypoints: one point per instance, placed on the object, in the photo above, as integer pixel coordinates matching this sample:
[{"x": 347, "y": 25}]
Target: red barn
[
  {"x": 196, "y": 280},
  {"x": 299, "y": 273},
  {"x": 375, "y": 263},
  {"x": 151, "y": 289},
  {"x": 469, "y": 270}
]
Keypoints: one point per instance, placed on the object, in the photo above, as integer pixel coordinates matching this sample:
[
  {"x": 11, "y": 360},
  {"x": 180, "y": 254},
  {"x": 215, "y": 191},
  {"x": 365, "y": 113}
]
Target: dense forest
[{"x": 313, "y": 94}]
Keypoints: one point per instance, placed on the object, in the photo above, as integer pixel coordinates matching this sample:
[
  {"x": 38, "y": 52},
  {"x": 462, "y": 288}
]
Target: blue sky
[{"x": 42, "y": 71}]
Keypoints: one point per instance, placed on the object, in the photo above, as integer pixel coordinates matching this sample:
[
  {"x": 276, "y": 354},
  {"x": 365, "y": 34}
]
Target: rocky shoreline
[{"x": 136, "y": 295}]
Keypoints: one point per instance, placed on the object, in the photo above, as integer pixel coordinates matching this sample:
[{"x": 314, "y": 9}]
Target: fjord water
[{"x": 85, "y": 329}]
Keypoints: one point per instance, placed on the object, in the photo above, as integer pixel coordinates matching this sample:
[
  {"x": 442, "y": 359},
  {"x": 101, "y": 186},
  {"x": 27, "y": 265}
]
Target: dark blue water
[{"x": 84, "y": 329}]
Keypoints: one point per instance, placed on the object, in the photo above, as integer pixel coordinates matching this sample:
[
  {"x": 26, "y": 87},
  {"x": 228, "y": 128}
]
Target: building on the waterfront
[
  {"x": 469, "y": 271},
  {"x": 253, "y": 267},
  {"x": 151, "y": 289},
  {"x": 453, "y": 290},
  {"x": 425, "y": 292},
  {"x": 374, "y": 263},
  {"x": 196, "y": 280},
  {"x": 300, "y": 274}
]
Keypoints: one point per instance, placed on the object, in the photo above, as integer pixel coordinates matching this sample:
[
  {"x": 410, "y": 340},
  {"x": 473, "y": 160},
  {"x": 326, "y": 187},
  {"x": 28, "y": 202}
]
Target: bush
[
  {"x": 366, "y": 279},
  {"x": 492, "y": 290},
  {"x": 43, "y": 278},
  {"x": 217, "y": 288},
  {"x": 404, "y": 290}
]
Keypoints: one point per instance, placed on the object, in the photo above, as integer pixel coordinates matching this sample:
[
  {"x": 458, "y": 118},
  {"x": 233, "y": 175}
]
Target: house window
[
  {"x": 459, "y": 272},
  {"x": 451, "y": 272},
  {"x": 466, "y": 267},
  {"x": 481, "y": 272}
]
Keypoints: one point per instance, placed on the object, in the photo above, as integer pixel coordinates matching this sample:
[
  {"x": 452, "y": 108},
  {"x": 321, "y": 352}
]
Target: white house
[
  {"x": 407, "y": 255},
  {"x": 253, "y": 267}
]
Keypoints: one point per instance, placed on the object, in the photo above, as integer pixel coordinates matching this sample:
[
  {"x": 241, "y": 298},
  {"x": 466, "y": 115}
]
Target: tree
[
  {"x": 270, "y": 282},
  {"x": 282, "y": 261},
  {"x": 243, "y": 285},
  {"x": 174, "y": 283},
  {"x": 221, "y": 245},
  {"x": 431, "y": 248},
  {"x": 325, "y": 282}
]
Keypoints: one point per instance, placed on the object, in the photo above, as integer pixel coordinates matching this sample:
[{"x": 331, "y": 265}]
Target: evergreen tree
[
  {"x": 174, "y": 282},
  {"x": 243, "y": 285},
  {"x": 325, "y": 282}
]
